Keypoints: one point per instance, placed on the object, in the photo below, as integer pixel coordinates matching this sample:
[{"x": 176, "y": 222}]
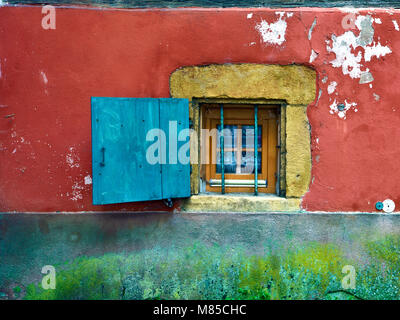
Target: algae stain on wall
[{"x": 313, "y": 271}]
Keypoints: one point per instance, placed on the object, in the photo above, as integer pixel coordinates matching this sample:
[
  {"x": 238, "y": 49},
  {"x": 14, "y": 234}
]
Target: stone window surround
[{"x": 291, "y": 86}]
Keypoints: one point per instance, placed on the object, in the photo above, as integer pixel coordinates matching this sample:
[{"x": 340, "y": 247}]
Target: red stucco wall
[{"x": 48, "y": 76}]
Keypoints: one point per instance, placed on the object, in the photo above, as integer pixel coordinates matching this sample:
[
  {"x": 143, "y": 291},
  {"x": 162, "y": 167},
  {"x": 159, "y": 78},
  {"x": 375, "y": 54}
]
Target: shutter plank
[{"x": 175, "y": 176}]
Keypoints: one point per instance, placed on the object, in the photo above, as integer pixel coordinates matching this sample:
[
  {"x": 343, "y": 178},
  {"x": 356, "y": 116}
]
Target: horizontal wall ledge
[{"x": 210, "y": 203}]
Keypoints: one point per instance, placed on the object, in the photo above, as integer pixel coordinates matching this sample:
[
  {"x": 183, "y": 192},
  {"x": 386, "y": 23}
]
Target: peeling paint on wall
[
  {"x": 72, "y": 158},
  {"x": 313, "y": 56},
  {"x": 274, "y": 32},
  {"x": 44, "y": 77},
  {"x": 366, "y": 77},
  {"x": 88, "y": 180},
  {"x": 376, "y": 50},
  {"x": 396, "y": 25},
  {"x": 77, "y": 192},
  {"x": 346, "y": 45},
  {"x": 371, "y": 47},
  {"x": 319, "y": 97},
  {"x": 312, "y": 28},
  {"x": 334, "y": 108},
  {"x": 332, "y": 87}
]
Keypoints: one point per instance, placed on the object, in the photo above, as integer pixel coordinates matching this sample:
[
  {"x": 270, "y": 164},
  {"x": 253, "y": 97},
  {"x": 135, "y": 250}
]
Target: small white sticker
[{"x": 388, "y": 206}]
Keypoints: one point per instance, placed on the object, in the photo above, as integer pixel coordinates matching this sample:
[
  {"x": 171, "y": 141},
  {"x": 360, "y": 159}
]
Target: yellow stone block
[
  {"x": 294, "y": 83},
  {"x": 298, "y": 148},
  {"x": 239, "y": 203}
]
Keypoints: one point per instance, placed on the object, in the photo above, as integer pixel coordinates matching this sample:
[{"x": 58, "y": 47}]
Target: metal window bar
[
  {"x": 238, "y": 183},
  {"x": 256, "y": 150},
  {"x": 221, "y": 142}
]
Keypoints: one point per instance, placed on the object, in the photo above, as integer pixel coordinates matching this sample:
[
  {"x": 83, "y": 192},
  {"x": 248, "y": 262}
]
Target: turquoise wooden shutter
[{"x": 121, "y": 172}]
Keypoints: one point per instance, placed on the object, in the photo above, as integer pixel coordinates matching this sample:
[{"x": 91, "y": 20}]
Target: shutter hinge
[{"x": 190, "y": 124}]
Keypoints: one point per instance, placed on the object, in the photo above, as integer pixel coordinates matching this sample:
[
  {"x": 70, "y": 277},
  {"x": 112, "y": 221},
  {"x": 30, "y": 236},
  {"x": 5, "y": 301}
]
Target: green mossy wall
[
  {"x": 199, "y": 256},
  {"x": 213, "y": 272}
]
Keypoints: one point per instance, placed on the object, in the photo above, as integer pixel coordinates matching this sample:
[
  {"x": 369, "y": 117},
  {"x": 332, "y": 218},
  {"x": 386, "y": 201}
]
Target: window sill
[{"x": 212, "y": 202}]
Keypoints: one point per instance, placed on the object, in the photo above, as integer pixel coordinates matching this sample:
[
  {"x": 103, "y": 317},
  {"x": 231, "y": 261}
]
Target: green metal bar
[
  {"x": 256, "y": 149},
  {"x": 221, "y": 142}
]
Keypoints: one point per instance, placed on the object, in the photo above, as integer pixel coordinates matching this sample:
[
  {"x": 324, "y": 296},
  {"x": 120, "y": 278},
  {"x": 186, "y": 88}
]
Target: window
[{"x": 239, "y": 158}]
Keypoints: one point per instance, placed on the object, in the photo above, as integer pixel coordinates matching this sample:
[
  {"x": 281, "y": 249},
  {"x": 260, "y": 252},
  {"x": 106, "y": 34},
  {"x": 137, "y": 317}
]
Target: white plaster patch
[
  {"x": 342, "y": 113},
  {"x": 345, "y": 59},
  {"x": 346, "y": 45},
  {"x": 249, "y": 15},
  {"x": 377, "y": 97},
  {"x": 313, "y": 56},
  {"x": 378, "y": 21},
  {"x": 332, "y": 87},
  {"x": 273, "y": 33},
  {"x": 376, "y": 50},
  {"x": 44, "y": 77},
  {"x": 72, "y": 158},
  {"x": 88, "y": 180},
  {"x": 396, "y": 25}
]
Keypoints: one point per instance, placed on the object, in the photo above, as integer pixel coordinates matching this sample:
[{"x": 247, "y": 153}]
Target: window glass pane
[
  {"x": 247, "y": 165},
  {"x": 229, "y": 162},
  {"x": 248, "y": 136},
  {"x": 230, "y": 136}
]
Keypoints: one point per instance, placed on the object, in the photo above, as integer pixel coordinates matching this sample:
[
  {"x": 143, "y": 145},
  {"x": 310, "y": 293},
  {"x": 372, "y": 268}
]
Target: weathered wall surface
[
  {"x": 48, "y": 76},
  {"x": 30, "y": 241},
  {"x": 218, "y": 3}
]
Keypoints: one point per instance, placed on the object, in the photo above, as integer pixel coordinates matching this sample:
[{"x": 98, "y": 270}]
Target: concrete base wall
[{"x": 30, "y": 241}]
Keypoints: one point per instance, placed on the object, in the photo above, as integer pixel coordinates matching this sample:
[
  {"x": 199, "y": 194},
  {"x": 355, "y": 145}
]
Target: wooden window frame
[{"x": 243, "y": 114}]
